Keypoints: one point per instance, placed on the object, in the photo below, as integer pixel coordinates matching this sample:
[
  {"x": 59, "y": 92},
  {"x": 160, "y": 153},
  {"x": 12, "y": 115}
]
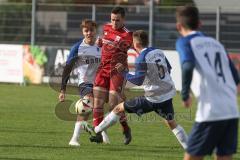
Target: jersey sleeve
[
  {"x": 73, "y": 53},
  {"x": 72, "y": 58},
  {"x": 187, "y": 65},
  {"x": 184, "y": 50},
  {"x": 130, "y": 40},
  {"x": 187, "y": 74},
  {"x": 140, "y": 72},
  {"x": 126, "y": 43}
]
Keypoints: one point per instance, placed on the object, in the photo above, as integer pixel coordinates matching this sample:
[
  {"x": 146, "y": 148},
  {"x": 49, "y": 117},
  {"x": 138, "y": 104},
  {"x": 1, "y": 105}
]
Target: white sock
[
  {"x": 105, "y": 137},
  {"x": 108, "y": 121},
  {"x": 77, "y": 130},
  {"x": 181, "y": 136}
]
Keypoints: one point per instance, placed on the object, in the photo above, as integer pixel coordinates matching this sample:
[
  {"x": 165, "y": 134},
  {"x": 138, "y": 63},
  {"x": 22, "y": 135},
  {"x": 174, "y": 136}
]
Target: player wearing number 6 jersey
[
  {"x": 153, "y": 72},
  {"x": 215, "y": 89}
]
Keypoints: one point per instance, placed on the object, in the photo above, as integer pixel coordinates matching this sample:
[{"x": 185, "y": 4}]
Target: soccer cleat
[
  {"x": 97, "y": 138},
  {"x": 88, "y": 128},
  {"x": 74, "y": 143},
  {"x": 127, "y": 136},
  {"x": 106, "y": 140},
  {"x": 105, "y": 137}
]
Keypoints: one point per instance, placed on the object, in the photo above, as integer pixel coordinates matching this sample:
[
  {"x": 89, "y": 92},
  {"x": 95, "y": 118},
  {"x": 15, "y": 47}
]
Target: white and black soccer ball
[{"x": 83, "y": 106}]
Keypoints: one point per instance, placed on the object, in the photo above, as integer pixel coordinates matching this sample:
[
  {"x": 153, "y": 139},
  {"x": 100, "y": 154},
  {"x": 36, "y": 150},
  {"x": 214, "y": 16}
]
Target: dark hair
[
  {"x": 142, "y": 37},
  {"x": 188, "y": 16},
  {"x": 88, "y": 24},
  {"x": 119, "y": 10}
]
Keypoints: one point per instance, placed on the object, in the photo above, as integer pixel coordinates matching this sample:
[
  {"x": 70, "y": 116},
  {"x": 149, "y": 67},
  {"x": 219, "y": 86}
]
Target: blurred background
[
  {"x": 56, "y": 22},
  {"x": 54, "y": 25}
]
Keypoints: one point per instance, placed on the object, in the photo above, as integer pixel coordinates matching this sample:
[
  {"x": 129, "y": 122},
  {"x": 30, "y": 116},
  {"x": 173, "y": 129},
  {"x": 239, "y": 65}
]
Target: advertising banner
[
  {"x": 33, "y": 60},
  {"x": 11, "y": 63},
  {"x": 58, "y": 56}
]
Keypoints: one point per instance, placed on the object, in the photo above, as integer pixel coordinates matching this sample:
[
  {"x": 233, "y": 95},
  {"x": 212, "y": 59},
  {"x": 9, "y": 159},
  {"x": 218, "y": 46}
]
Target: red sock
[
  {"x": 123, "y": 122},
  {"x": 98, "y": 115}
]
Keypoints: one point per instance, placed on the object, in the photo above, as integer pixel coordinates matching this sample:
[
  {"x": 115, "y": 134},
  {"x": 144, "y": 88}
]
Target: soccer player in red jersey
[{"x": 109, "y": 84}]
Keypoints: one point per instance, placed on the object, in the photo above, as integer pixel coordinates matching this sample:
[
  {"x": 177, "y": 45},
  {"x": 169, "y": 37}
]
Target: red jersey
[{"x": 115, "y": 44}]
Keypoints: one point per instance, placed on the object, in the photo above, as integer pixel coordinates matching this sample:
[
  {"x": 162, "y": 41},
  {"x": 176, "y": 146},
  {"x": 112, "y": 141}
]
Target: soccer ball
[{"x": 83, "y": 106}]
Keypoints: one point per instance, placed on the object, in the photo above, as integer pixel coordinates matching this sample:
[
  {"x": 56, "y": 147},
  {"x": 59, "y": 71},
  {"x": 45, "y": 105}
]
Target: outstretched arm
[{"x": 67, "y": 70}]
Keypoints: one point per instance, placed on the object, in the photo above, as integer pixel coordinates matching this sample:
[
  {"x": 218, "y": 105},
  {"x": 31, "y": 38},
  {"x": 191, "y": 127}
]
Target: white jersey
[
  {"x": 88, "y": 61},
  {"x": 218, "y": 100},
  {"x": 158, "y": 84}
]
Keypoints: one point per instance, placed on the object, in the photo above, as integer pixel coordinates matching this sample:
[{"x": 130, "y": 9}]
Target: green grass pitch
[{"x": 30, "y": 130}]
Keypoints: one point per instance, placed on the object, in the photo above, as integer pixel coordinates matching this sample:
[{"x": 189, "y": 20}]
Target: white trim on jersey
[
  {"x": 106, "y": 41},
  {"x": 125, "y": 29}
]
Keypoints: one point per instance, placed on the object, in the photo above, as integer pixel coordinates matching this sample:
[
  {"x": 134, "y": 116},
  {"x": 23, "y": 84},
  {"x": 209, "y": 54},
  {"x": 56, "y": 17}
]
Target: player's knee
[
  {"x": 190, "y": 157},
  {"x": 112, "y": 104},
  {"x": 119, "y": 109},
  {"x": 100, "y": 95},
  {"x": 98, "y": 104},
  {"x": 82, "y": 117}
]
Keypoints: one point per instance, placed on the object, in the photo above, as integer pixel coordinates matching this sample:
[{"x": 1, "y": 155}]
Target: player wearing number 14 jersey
[{"x": 215, "y": 89}]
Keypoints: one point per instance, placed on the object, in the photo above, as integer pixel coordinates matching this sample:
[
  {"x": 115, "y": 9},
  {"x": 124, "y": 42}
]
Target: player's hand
[
  {"x": 61, "y": 96},
  {"x": 187, "y": 103},
  {"x": 99, "y": 42},
  {"x": 119, "y": 67}
]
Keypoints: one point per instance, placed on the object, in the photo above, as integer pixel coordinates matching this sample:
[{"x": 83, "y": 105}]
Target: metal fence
[{"x": 58, "y": 24}]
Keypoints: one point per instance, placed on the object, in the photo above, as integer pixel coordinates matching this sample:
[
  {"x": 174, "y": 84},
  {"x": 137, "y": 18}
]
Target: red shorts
[{"x": 110, "y": 81}]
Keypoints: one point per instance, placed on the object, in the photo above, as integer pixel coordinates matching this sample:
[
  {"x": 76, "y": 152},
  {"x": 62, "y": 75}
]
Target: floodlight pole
[
  {"x": 218, "y": 23},
  {"x": 94, "y": 12},
  {"x": 33, "y": 24},
  {"x": 151, "y": 11}
]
